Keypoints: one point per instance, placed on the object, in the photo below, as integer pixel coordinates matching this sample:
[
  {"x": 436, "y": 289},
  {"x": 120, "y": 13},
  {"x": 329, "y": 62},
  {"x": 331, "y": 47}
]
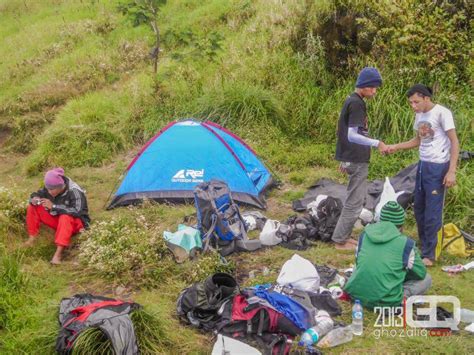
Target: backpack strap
[
  {"x": 207, "y": 236},
  {"x": 451, "y": 241},
  {"x": 261, "y": 322},
  {"x": 278, "y": 342}
]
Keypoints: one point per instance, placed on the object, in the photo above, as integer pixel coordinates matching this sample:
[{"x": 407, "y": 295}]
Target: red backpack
[{"x": 270, "y": 329}]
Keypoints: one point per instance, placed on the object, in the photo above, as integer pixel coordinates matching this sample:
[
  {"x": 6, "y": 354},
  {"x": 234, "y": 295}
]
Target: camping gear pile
[
  {"x": 268, "y": 316},
  {"x": 297, "y": 232},
  {"x": 403, "y": 181},
  {"x": 224, "y": 228}
]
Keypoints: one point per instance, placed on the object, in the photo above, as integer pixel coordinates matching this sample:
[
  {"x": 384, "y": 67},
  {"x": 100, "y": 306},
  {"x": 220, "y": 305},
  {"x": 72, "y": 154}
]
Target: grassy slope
[{"x": 70, "y": 65}]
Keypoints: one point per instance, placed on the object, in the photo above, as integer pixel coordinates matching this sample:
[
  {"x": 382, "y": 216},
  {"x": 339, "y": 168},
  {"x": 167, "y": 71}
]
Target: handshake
[{"x": 385, "y": 149}]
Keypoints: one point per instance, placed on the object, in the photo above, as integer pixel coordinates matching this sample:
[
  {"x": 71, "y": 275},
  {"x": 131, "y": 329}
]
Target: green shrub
[
  {"x": 73, "y": 146},
  {"x": 125, "y": 248},
  {"x": 12, "y": 211},
  {"x": 415, "y": 39}
]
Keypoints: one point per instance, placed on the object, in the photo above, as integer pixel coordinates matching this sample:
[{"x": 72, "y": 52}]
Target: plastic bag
[
  {"x": 388, "y": 194},
  {"x": 452, "y": 242},
  {"x": 268, "y": 235},
  {"x": 312, "y": 207},
  {"x": 250, "y": 222},
  {"x": 299, "y": 273}
]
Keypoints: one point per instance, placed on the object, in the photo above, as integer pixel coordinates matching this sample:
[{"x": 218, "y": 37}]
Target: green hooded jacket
[{"x": 385, "y": 259}]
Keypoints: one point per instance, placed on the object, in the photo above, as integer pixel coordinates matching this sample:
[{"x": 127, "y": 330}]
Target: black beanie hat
[{"x": 420, "y": 89}]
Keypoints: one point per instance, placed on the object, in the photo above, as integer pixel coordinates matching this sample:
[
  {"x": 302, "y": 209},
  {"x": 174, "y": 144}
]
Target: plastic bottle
[
  {"x": 357, "y": 318},
  {"x": 323, "y": 325},
  {"x": 336, "y": 337},
  {"x": 467, "y": 316}
]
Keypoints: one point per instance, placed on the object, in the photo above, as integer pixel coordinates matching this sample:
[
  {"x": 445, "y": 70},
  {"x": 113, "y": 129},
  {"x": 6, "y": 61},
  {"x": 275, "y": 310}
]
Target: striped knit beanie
[{"x": 393, "y": 212}]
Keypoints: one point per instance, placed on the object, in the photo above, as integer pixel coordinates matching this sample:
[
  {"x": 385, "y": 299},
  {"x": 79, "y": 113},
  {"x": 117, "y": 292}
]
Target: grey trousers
[
  {"x": 417, "y": 287},
  {"x": 356, "y": 191}
]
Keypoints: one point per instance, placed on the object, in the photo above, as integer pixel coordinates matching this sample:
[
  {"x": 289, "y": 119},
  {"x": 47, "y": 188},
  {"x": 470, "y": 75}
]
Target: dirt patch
[
  {"x": 245, "y": 267},
  {"x": 4, "y": 135}
]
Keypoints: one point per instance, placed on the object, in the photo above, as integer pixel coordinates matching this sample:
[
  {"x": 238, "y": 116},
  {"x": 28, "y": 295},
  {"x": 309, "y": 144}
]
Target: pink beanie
[{"x": 54, "y": 178}]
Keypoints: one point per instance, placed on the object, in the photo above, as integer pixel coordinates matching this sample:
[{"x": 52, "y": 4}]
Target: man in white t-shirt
[{"x": 439, "y": 150}]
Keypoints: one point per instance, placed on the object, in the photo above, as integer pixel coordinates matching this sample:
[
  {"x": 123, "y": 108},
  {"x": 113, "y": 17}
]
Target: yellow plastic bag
[{"x": 453, "y": 242}]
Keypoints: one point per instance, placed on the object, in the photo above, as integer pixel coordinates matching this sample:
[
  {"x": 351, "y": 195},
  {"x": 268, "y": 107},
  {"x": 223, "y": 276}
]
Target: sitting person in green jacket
[{"x": 388, "y": 264}]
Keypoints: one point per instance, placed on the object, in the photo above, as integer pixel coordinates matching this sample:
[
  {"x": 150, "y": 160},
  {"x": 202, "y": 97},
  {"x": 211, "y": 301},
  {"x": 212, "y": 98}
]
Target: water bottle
[
  {"x": 336, "y": 337},
  {"x": 323, "y": 325},
  {"x": 467, "y": 316},
  {"x": 357, "y": 318}
]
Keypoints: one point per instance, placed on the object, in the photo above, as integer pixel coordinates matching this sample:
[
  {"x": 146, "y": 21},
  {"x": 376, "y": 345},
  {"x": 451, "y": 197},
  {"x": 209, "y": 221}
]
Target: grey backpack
[{"x": 219, "y": 218}]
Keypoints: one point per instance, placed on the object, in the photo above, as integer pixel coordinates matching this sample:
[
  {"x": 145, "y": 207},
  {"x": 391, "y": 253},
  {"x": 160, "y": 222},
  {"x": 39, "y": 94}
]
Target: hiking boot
[
  {"x": 345, "y": 246},
  {"x": 427, "y": 262}
]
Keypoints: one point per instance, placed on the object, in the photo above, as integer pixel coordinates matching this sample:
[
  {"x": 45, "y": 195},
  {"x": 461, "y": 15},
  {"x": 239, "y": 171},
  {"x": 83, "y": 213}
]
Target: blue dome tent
[{"x": 186, "y": 153}]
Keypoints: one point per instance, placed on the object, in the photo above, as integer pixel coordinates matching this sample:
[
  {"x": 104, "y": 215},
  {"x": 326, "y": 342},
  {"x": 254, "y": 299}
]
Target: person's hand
[
  {"x": 449, "y": 179},
  {"x": 392, "y": 148},
  {"x": 382, "y": 148},
  {"x": 47, "y": 203},
  {"x": 35, "y": 201},
  {"x": 343, "y": 168}
]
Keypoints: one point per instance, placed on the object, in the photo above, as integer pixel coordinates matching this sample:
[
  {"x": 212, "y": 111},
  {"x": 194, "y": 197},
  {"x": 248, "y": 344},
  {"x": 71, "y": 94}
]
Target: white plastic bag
[
  {"x": 388, "y": 194},
  {"x": 268, "y": 235},
  {"x": 312, "y": 207},
  {"x": 250, "y": 222},
  {"x": 299, "y": 273}
]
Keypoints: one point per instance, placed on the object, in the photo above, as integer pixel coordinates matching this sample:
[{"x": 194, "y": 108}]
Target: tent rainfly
[{"x": 186, "y": 153}]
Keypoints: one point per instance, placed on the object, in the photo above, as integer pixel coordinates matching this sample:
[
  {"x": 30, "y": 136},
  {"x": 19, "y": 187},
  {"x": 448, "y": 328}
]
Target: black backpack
[
  {"x": 198, "y": 304},
  {"x": 295, "y": 232},
  {"x": 328, "y": 213},
  {"x": 219, "y": 218}
]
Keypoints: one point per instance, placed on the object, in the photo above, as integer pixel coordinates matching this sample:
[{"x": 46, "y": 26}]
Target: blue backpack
[{"x": 219, "y": 218}]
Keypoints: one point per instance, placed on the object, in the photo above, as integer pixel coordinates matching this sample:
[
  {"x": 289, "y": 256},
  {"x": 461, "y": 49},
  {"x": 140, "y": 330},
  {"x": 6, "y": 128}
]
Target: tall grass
[{"x": 13, "y": 288}]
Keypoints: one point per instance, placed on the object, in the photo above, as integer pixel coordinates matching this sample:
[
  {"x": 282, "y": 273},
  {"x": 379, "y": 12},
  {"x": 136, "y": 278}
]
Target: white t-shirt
[{"x": 435, "y": 146}]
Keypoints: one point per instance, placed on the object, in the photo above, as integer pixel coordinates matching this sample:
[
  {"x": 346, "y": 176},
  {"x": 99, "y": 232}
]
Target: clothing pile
[{"x": 266, "y": 316}]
